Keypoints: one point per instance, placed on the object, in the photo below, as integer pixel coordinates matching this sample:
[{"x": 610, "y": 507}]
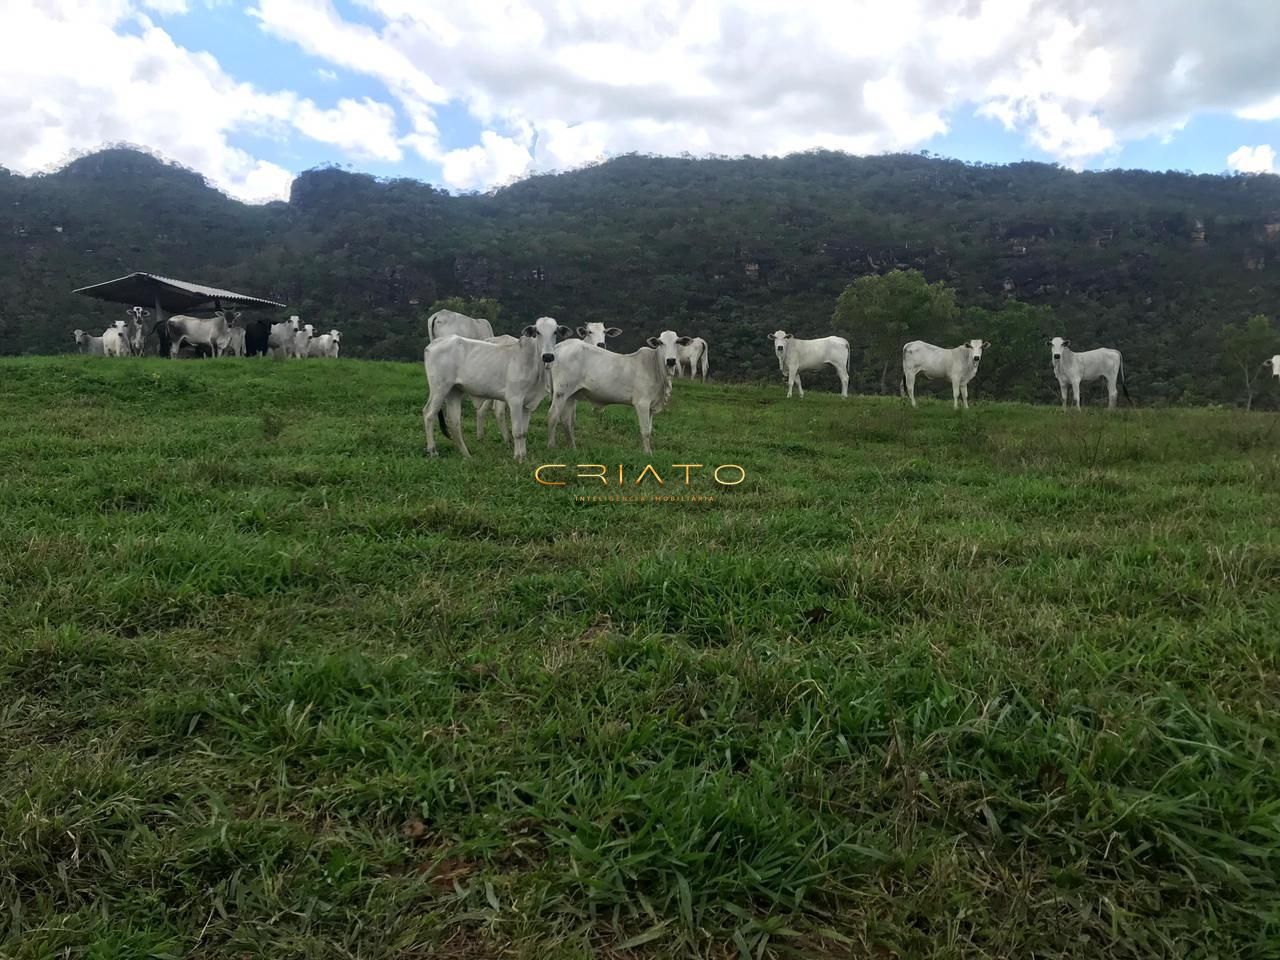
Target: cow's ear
[
  {"x": 653, "y": 342},
  {"x": 986, "y": 344},
  {"x": 529, "y": 331},
  {"x": 582, "y": 332},
  {"x": 1066, "y": 343},
  {"x": 613, "y": 332},
  {"x": 563, "y": 332},
  {"x": 683, "y": 341},
  {"x": 789, "y": 336}
]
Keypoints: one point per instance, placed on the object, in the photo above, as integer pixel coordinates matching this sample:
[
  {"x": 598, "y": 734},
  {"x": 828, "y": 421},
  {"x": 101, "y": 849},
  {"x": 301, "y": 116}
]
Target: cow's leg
[
  {"x": 964, "y": 394},
  {"x": 1111, "y": 392},
  {"x": 553, "y": 418},
  {"x": 844, "y": 378},
  {"x": 910, "y": 379},
  {"x": 503, "y": 416},
  {"x": 1075, "y": 389},
  {"x": 429, "y": 411},
  {"x": 570, "y": 422},
  {"x": 955, "y": 394},
  {"x": 520, "y": 426},
  {"x": 1062, "y": 386},
  {"x": 482, "y": 407},
  {"x": 646, "y": 425},
  {"x": 453, "y": 413}
]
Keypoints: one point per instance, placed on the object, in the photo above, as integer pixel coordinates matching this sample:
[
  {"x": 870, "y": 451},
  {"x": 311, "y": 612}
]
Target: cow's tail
[
  {"x": 444, "y": 427},
  {"x": 705, "y": 360},
  {"x": 1124, "y": 387},
  {"x": 431, "y": 331}
]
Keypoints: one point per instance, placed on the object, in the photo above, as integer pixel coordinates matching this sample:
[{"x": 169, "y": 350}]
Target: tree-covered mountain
[{"x": 731, "y": 249}]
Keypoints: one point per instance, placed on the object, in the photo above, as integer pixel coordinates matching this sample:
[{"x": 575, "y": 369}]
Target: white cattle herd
[
  {"x": 510, "y": 376},
  {"x": 220, "y": 335}
]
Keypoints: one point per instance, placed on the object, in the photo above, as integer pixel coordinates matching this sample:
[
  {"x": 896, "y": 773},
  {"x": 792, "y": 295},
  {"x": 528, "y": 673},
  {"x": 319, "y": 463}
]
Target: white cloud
[
  {"x": 495, "y": 159},
  {"x": 328, "y": 76},
  {"x": 1259, "y": 159},
  {"x": 1075, "y": 77},
  {"x": 363, "y": 128},
  {"x": 104, "y": 85},
  {"x": 1264, "y": 110},
  {"x": 170, "y": 7}
]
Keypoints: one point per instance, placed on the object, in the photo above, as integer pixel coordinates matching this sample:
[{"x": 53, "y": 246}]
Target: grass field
[{"x": 925, "y": 684}]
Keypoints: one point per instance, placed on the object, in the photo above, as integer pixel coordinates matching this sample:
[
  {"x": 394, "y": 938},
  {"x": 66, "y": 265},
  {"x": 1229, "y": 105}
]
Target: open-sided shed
[{"x": 167, "y": 295}]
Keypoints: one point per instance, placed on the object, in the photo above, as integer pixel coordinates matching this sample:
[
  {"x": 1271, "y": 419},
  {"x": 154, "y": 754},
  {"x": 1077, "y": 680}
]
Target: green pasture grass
[{"x": 996, "y": 683}]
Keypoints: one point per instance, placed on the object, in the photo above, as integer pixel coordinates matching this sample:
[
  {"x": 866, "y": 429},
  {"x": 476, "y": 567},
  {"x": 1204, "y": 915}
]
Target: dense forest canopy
[{"x": 1167, "y": 267}]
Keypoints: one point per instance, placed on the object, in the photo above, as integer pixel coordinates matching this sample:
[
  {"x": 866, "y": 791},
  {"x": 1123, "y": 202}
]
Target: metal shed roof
[{"x": 148, "y": 289}]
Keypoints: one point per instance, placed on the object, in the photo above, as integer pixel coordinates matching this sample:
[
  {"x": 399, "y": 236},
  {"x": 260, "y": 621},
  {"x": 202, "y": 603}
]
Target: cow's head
[
  {"x": 121, "y": 324},
  {"x": 310, "y": 329},
  {"x": 779, "y": 340},
  {"x": 80, "y": 338},
  {"x": 595, "y": 333},
  {"x": 335, "y": 335},
  {"x": 665, "y": 343},
  {"x": 1055, "y": 347},
  {"x": 295, "y": 323},
  {"x": 544, "y": 332},
  {"x": 232, "y": 317},
  {"x": 975, "y": 348}
]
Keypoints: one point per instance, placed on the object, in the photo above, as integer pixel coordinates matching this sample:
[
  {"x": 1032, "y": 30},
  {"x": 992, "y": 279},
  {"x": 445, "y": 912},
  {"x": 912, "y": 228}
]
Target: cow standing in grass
[
  {"x": 796, "y": 356},
  {"x": 958, "y": 364},
  {"x": 1072, "y": 368},
  {"x": 514, "y": 373},
  {"x": 450, "y": 323}
]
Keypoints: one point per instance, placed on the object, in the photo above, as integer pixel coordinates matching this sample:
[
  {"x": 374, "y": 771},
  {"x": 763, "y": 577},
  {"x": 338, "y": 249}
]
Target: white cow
[
  {"x": 135, "y": 331},
  {"x": 641, "y": 380},
  {"x": 796, "y": 356},
  {"x": 281, "y": 341},
  {"x": 235, "y": 342},
  {"x": 450, "y": 323},
  {"x": 595, "y": 333},
  {"x": 213, "y": 332},
  {"x": 325, "y": 345},
  {"x": 115, "y": 340},
  {"x": 90, "y": 345},
  {"x": 1071, "y": 368},
  {"x": 302, "y": 341},
  {"x": 1274, "y": 363},
  {"x": 958, "y": 364},
  {"x": 512, "y": 372},
  {"x": 693, "y": 354}
]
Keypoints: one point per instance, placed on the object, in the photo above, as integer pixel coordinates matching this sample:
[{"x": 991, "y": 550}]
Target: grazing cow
[
  {"x": 115, "y": 340},
  {"x": 595, "y": 333},
  {"x": 446, "y": 323},
  {"x": 281, "y": 340},
  {"x": 959, "y": 365},
  {"x": 796, "y": 356},
  {"x": 642, "y": 380},
  {"x": 692, "y": 354},
  {"x": 512, "y": 372},
  {"x": 214, "y": 332},
  {"x": 90, "y": 345},
  {"x": 325, "y": 345},
  {"x": 1071, "y": 368}
]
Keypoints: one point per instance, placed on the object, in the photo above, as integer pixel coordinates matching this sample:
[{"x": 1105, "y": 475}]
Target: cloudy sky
[{"x": 472, "y": 93}]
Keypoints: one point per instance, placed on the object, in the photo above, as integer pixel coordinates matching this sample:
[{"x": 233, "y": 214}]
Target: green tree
[
  {"x": 1017, "y": 363},
  {"x": 881, "y": 312},
  {"x": 1245, "y": 347}
]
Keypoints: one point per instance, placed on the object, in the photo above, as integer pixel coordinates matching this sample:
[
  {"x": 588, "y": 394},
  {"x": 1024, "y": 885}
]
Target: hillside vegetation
[
  {"x": 1154, "y": 264},
  {"x": 927, "y": 685}
]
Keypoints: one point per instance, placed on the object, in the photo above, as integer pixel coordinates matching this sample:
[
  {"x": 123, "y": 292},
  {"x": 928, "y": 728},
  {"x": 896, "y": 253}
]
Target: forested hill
[{"x": 1153, "y": 263}]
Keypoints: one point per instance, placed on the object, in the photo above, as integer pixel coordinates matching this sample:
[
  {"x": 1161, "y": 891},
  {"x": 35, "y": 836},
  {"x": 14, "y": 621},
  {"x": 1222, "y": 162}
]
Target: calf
[
  {"x": 958, "y": 364},
  {"x": 115, "y": 340},
  {"x": 512, "y": 372},
  {"x": 1071, "y": 368},
  {"x": 587, "y": 372},
  {"x": 795, "y": 356},
  {"x": 692, "y": 354},
  {"x": 325, "y": 345},
  {"x": 90, "y": 345}
]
